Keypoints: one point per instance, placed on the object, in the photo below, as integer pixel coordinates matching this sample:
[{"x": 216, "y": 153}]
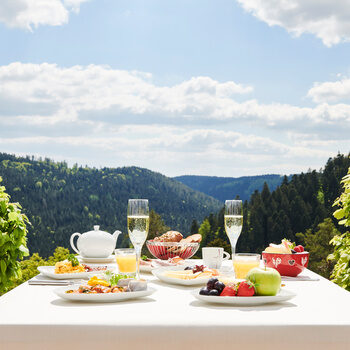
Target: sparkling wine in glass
[
  {"x": 233, "y": 222},
  {"x": 138, "y": 224}
]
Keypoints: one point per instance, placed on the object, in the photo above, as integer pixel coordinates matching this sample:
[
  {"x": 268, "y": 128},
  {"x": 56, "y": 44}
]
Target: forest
[
  {"x": 300, "y": 209},
  {"x": 60, "y": 200}
]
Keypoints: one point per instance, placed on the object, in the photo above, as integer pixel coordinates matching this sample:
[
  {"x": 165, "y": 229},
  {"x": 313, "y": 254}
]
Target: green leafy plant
[
  {"x": 341, "y": 254},
  {"x": 113, "y": 278},
  {"x": 343, "y": 201},
  {"x": 13, "y": 240},
  {"x": 29, "y": 266},
  {"x": 72, "y": 258}
]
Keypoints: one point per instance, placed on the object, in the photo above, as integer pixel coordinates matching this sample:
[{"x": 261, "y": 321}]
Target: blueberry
[
  {"x": 204, "y": 291},
  {"x": 189, "y": 268},
  {"x": 211, "y": 283},
  {"x": 219, "y": 286},
  {"x": 214, "y": 292}
]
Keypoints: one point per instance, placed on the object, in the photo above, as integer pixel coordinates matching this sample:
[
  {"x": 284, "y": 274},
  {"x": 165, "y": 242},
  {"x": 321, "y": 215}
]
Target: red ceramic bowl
[{"x": 286, "y": 264}]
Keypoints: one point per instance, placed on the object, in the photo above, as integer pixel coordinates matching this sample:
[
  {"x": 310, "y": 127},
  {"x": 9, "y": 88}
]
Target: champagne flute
[
  {"x": 138, "y": 224},
  {"x": 233, "y": 222}
]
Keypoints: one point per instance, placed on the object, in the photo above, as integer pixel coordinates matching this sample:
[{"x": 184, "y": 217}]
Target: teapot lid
[{"x": 97, "y": 229}]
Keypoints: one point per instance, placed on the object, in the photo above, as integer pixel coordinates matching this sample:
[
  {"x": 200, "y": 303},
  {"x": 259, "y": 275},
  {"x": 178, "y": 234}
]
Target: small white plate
[
  {"x": 49, "y": 271},
  {"x": 109, "y": 259},
  {"x": 159, "y": 273},
  {"x": 188, "y": 262},
  {"x": 102, "y": 297},
  {"x": 283, "y": 295}
]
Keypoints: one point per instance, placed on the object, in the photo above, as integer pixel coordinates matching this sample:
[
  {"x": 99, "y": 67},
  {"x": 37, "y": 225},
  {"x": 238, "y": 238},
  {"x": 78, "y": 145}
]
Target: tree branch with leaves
[
  {"x": 341, "y": 254},
  {"x": 13, "y": 240}
]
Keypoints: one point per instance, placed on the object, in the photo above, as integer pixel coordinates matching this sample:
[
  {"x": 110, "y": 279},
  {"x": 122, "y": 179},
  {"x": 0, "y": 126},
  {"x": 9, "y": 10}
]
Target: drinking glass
[
  {"x": 138, "y": 224},
  {"x": 126, "y": 260},
  {"x": 233, "y": 222},
  {"x": 244, "y": 262}
]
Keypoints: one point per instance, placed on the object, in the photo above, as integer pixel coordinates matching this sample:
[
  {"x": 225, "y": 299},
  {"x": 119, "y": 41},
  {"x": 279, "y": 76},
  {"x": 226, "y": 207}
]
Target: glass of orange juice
[
  {"x": 244, "y": 262},
  {"x": 126, "y": 260}
]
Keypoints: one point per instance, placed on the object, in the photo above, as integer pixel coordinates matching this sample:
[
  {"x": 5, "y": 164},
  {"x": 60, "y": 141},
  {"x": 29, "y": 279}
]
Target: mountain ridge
[
  {"x": 60, "y": 200},
  {"x": 223, "y": 188}
]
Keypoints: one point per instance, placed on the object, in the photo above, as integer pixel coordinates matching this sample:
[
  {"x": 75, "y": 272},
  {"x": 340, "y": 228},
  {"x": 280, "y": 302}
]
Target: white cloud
[
  {"x": 330, "y": 91},
  {"x": 99, "y": 90},
  {"x": 328, "y": 20},
  {"x": 174, "y": 151},
  {"x": 116, "y": 117},
  {"x": 26, "y": 14}
]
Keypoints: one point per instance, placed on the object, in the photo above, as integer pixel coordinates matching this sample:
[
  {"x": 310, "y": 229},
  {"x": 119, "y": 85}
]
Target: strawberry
[
  {"x": 299, "y": 248},
  {"x": 245, "y": 289},
  {"x": 228, "y": 291}
]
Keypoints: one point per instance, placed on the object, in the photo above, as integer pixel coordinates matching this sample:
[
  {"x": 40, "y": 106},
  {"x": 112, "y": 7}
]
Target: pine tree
[{"x": 194, "y": 227}]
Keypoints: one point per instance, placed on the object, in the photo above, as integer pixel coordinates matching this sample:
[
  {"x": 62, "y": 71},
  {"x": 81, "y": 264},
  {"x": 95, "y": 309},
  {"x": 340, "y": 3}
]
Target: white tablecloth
[{"x": 33, "y": 317}]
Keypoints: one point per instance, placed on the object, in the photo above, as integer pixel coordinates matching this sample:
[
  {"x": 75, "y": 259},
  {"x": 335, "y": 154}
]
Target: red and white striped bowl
[{"x": 166, "y": 250}]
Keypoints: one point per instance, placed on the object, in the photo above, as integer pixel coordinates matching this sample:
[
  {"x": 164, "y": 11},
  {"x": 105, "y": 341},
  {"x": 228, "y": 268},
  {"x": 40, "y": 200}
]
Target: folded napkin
[
  {"x": 49, "y": 283},
  {"x": 41, "y": 280}
]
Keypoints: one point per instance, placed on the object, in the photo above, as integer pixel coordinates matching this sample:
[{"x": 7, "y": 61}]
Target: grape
[
  {"x": 211, "y": 283},
  {"x": 219, "y": 286},
  {"x": 214, "y": 292},
  {"x": 204, "y": 291}
]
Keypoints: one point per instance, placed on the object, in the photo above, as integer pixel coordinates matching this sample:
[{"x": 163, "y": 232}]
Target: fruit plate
[
  {"x": 101, "y": 297},
  {"x": 159, "y": 273},
  {"x": 49, "y": 271},
  {"x": 283, "y": 295}
]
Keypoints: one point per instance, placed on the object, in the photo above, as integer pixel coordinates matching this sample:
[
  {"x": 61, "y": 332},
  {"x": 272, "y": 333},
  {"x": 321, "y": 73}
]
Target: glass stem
[
  {"x": 138, "y": 258},
  {"x": 233, "y": 248}
]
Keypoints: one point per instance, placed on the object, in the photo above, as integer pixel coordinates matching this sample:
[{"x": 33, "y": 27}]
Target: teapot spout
[{"x": 116, "y": 235}]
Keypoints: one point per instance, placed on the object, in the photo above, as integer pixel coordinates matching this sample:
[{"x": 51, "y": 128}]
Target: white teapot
[{"x": 95, "y": 244}]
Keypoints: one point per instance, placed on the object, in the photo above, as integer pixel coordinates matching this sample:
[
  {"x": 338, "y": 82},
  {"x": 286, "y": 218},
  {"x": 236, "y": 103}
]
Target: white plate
[
  {"x": 109, "y": 259},
  {"x": 49, "y": 271},
  {"x": 159, "y": 273},
  {"x": 283, "y": 295},
  {"x": 149, "y": 268},
  {"x": 101, "y": 298}
]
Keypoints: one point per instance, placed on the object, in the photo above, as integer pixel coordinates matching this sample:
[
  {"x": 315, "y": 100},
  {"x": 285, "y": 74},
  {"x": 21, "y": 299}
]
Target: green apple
[{"x": 267, "y": 281}]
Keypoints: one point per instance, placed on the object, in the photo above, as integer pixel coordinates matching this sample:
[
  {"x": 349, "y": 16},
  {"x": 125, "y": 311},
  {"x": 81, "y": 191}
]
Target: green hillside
[
  {"x": 223, "y": 188},
  {"x": 60, "y": 200},
  {"x": 298, "y": 205}
]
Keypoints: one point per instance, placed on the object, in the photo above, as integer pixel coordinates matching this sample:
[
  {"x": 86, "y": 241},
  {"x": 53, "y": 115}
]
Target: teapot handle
[{"x": 72, "y": 241}]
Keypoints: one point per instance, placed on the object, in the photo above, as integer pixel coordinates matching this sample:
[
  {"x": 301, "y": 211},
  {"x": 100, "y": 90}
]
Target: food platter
[
  {"x": 283, "y": 295},
  {"x": 101, "y": 297},
  {"x": 49, "y": 271}
]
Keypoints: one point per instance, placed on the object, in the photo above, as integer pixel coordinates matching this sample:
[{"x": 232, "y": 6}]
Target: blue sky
[{"x": 226, "y": 88}]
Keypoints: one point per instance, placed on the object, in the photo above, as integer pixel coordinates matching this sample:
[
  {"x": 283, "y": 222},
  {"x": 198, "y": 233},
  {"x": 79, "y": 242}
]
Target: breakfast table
[{"x": 318, "y": 317}]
